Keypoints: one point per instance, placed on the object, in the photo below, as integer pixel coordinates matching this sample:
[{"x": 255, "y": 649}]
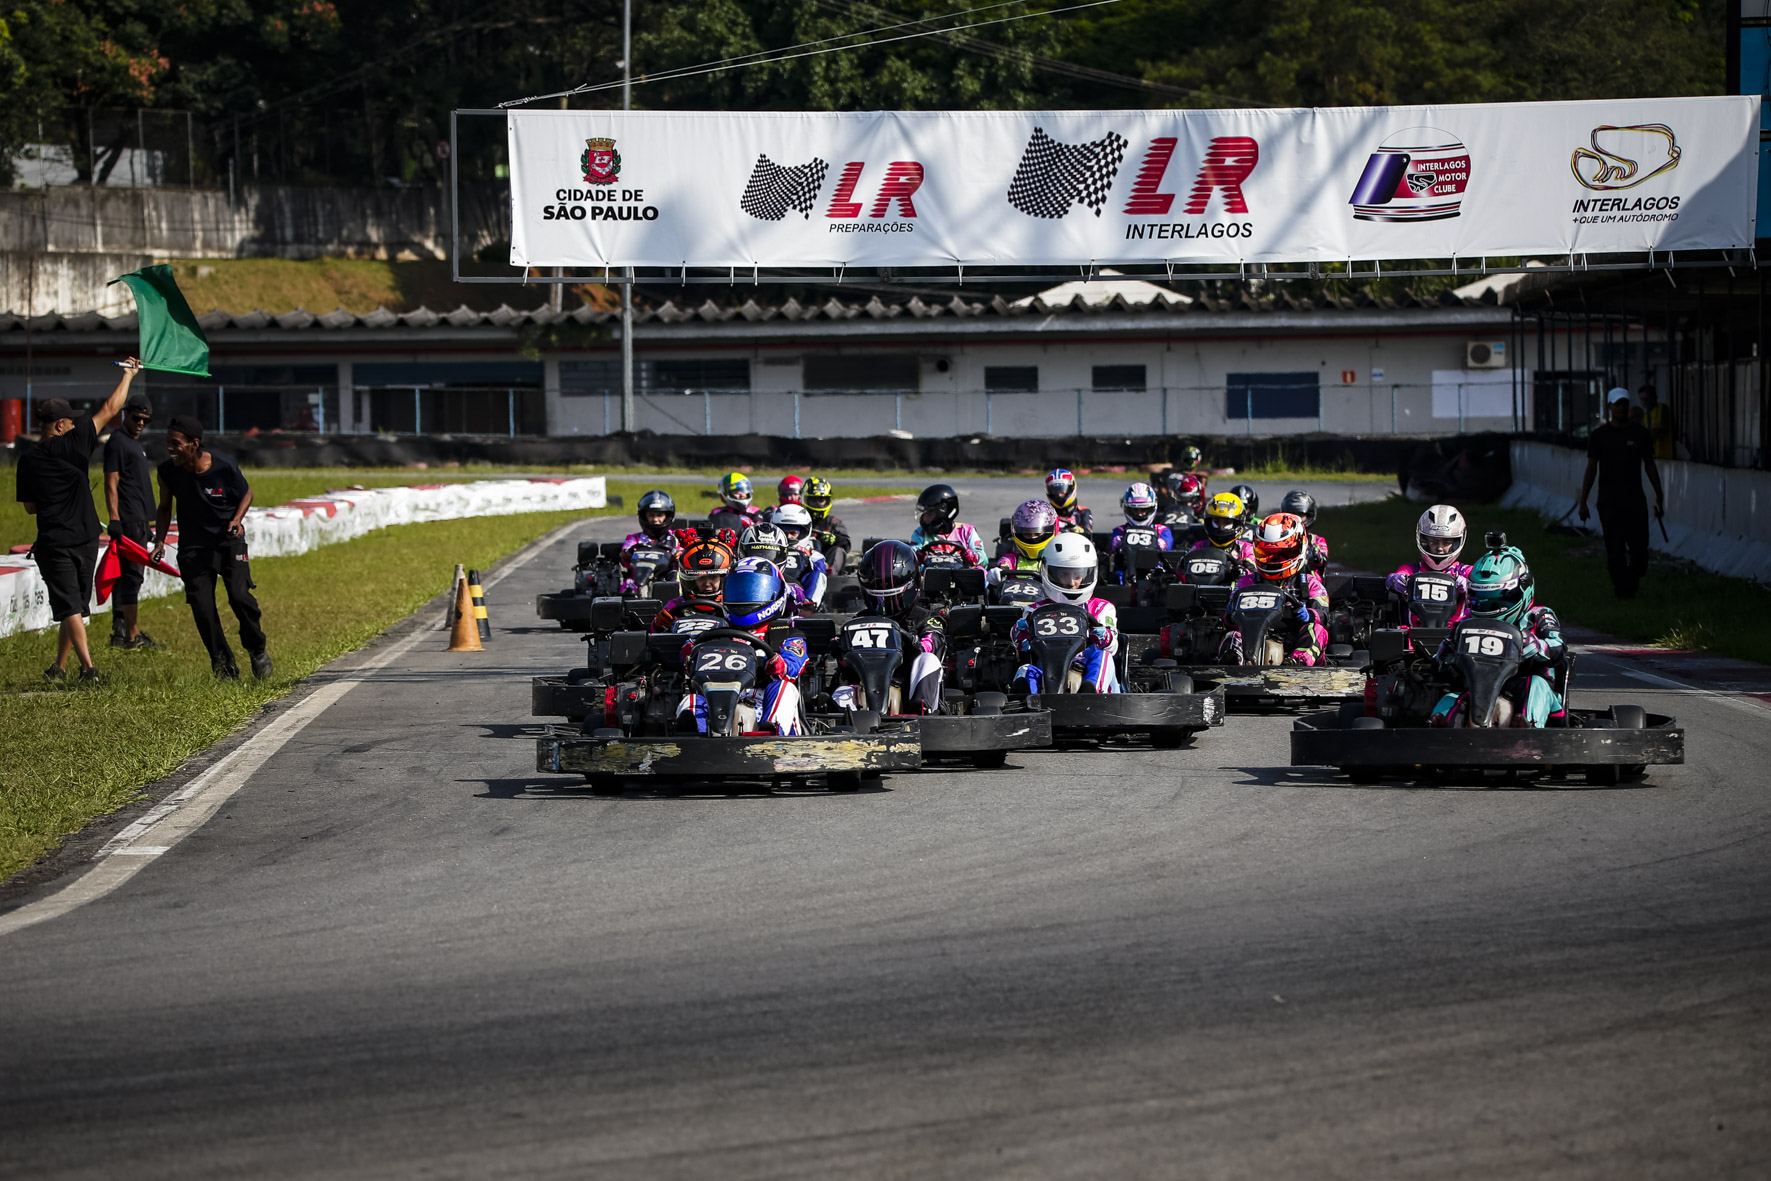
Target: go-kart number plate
[
  {"x": 868, "y": 636},
  {"x": 721, "y": 660},
  {"x": 1257, "y": 601},
  {"x": 1433, "y": 590},
  {"x": 1492, "y": 645},
  {"x": 1057, "y": 625},
  {"x": 1204, "y": 568},
  {"x": 1140, "y": 539},
  {"x": 693, "y": 624}
]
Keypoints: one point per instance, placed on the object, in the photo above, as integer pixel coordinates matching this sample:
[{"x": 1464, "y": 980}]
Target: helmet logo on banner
[
  {"x": 1227, "y": 164},
  {"x": 1053, "y": 177},
  {"x": 1415, "y": 175},
  {"x": 1608, "y": 171},
  {"x": 774, "y": 189},
  {"x": 600, "y": 161}
]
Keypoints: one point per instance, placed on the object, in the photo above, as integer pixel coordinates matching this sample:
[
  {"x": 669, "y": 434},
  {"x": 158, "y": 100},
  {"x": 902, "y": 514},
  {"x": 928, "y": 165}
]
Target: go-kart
[
  {"x": 1158, "y": 700},
  {"x": 632, "y": 730},
  {"x": 599, "y": 574},
  {"x": 978, "y": 727},
  {"x": 1393, "y": 731}
]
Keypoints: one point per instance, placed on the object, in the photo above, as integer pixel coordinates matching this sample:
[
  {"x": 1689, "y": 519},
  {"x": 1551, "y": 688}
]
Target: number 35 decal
[{"x": 1258, "y": 601}]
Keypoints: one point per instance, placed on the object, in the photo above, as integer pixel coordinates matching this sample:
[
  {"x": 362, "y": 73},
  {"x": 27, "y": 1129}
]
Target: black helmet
[
  {"x": 937, "y": 508},
  {"x": 1301, "y": 504},
  {"x": 888, "y": 576},
  {"x": 656, "y": 501},
  {"x": 1251, "y": 502}
]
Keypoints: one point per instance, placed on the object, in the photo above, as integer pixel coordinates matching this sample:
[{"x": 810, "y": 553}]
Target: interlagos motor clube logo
[
  {"x": 600, "y": 166},
  {"x": 1619, "y": 157}
]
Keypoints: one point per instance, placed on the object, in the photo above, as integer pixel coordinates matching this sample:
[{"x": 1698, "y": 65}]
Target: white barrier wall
[
  {"x": 1718, "y": 517},
  {"x": 303, "y": 525}
]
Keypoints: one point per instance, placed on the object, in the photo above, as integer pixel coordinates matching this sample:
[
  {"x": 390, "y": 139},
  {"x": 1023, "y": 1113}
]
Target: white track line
[
  {"x": 186, "y": 810},
  {"x": 1746, "y": 705}
]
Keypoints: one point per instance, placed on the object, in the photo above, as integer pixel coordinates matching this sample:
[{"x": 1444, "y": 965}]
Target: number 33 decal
[{"x": 1059, "y": 625}]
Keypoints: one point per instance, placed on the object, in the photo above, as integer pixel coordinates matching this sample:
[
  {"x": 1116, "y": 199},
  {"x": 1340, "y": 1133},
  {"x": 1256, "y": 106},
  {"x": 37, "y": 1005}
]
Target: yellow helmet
[{"x": 1223, "y": 519}]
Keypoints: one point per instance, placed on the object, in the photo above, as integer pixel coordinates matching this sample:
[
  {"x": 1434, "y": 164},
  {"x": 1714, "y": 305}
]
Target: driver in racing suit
[
  {"x": 657, "y": 513},
  {"x": 1139, "y": 506},
  {"x": 1282, "y": 563},
  {"x": 704, "y": 566},
  {"x": 828, "y": 530},
  {"x": 1502, "y": 589},
  {"x": 1060, "y": 490},
  {"x": 1181, "y": 493},
  {"x": 1302, "y": 505},
  {"x": 736, "y": 510},
  {"x": 1068, "y": 576},
  {"x": 1032, "y": 528},
  {"x": 756, "y": 596},
  {"x": 795, "y": 523},
  {"x": 1225, "y": 530},
  {"x": 1439, "y": 535},
  {"x": 937, "y": 519},
  {"x": 888, "y": 579}
]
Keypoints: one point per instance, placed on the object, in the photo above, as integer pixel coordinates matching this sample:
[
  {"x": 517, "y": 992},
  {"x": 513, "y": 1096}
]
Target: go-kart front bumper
[
  {"x": 566, "y": 750},
  {"x": 1101, "y": 714},
  {"x": 1322, "y": 739},
  {"x": 1247, "y": 687}
]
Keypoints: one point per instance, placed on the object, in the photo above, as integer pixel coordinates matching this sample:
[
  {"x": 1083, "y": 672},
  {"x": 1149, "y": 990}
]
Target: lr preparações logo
[
  {"x": 884, "y": 205},
  {"x": 1620, "y": 157},
  {"x": 600, "y": 161},
  {"x": 1418, "y": 174}
]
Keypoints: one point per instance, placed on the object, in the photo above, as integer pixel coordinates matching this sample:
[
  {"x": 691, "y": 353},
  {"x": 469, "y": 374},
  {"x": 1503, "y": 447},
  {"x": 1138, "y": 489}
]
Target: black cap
[
  {"x": 186, "y": 425},
  {"x": 138, "y": 404},
  {"x": 54, "y": 410}
]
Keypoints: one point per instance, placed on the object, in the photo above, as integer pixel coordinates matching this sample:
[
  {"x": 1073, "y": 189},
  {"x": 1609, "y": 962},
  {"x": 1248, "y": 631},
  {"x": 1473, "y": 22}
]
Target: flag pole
[{"x": 627, "y": 423}]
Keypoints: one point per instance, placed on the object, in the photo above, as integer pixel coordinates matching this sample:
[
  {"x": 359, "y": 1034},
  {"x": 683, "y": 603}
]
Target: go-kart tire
[
  {"x": 1364, "y": 776},
  {"x": 1347, "y": 711},
  {"x": 1630, "y": 717},
  {"x": 989, "y": 760},
  {"x": 844, "y": 781},
  {"x": 1603, "y": 774},
  {"x": 604, "y": 785},
  {"x": 1170, "y": 739},
  {"x": 1364, "y": 723},
  {"x": 1180, "y": 683}
]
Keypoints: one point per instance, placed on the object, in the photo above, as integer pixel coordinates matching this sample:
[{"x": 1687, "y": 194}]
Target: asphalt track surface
[{"x": 399, "y": 952}]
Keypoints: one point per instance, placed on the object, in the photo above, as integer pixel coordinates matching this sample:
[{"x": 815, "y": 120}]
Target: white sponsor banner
[
  {"x": 303, "y": 525},
  {"x": 944, "y": 188}
]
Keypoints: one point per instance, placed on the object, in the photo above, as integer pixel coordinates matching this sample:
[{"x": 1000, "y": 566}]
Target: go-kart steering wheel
[{"x": 732, "y": 633}]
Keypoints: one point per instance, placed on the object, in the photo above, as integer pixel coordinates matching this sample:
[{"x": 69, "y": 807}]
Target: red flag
[
  {"x": 139, "y": 554},
  {"x": 110, "y": 568}
]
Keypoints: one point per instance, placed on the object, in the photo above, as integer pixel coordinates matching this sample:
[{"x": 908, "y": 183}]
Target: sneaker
[
  {"x": 89, "y": 676},
  {"x": 225, "y": 671},
  {"x": 55, "y": 675},
  {"x": 144, "y": 640},
  {"x": 121, "y": 641},
  {"x": 261, "y": 664}
]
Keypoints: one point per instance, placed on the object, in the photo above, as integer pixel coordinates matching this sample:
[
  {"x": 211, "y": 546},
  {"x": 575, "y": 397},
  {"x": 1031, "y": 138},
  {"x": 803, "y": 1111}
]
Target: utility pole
[{"x": 627, "y": 415}]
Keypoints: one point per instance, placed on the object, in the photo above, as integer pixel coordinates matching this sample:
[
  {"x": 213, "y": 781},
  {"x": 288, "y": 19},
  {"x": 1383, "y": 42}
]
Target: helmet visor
[
  {"x": 1067, "y": 577},
  {"x": 1035, "y": 537},
  {"x": 932, "y": 516},
  {"x": 654, "y": 518},
  {"x": 792, "y": 531},
  {"x": 1494, "y": 599},
  {"x": 1223, "y": 530},
  {"x": 818, "y": 502},
  {"x": 708, "y": 584},
  {"x": 1440, "y": 547}
]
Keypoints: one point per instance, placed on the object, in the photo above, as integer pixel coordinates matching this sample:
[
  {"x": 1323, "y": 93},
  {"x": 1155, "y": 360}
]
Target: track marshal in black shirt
[
  {"x": 1619, "y": 453},
  {"x": 211, "y": 496},
  {"x": 129, "y": 497},
  {"x": 52, "y": 486}
]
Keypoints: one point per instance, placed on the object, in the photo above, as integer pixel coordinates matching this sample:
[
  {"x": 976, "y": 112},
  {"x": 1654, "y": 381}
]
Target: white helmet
[
  {"x": 1439, "y": 534},
  {"x": 795, "y": 520},
  {"x": 1069, "y": 568}
]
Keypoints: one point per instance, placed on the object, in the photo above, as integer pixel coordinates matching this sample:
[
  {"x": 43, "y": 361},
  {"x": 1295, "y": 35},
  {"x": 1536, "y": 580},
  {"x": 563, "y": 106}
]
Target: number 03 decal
[{"x": 1484, "y": 645}]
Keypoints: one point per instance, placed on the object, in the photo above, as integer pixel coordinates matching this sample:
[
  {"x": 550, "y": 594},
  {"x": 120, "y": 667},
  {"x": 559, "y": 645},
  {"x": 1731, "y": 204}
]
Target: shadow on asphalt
[
  {"x": 1328, "y": 777},
  {"x": 529, "y": 789}
]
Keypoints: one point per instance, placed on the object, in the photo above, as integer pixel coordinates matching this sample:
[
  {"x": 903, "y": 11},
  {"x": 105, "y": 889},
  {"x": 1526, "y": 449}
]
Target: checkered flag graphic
[
  {"x": 773, "y": 190},
  {"x": 1052, "y": 176}
]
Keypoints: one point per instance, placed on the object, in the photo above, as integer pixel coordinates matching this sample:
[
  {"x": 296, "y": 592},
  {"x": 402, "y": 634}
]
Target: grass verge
[
  {"x": 1677, "y": 607},
  {"x": 70, "y": 754}
]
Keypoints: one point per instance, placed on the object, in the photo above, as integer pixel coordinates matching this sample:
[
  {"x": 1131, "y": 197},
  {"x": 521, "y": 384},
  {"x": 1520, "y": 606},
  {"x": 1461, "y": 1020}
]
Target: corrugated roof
[{"x": 710, "y": 311}]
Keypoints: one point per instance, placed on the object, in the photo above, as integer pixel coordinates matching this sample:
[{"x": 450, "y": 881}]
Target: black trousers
[
  {"x": 127, "y": 592},
  {"x": 1626, "y": 544},
  {"x": 202, "y": 568}
]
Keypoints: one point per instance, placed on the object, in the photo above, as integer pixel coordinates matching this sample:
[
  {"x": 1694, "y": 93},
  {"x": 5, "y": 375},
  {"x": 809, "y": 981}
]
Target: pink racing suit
[
  {"x": 1398, "y": 585},
  {"x": 961, "y": 533},
  {"x": 669, "y": 541},
  {"x": 1241, "y": 549},
  {"x": 1096, "y": 660},
  {"x": 1309, "y": 623}
]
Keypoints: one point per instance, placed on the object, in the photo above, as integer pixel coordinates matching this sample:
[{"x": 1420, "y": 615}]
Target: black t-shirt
[
  {"x": 1620, "y": 451},
  {"x": 53, "y": 474},
  {"x": 206, "y": 501},
  {"x": 135, "y": 490}
]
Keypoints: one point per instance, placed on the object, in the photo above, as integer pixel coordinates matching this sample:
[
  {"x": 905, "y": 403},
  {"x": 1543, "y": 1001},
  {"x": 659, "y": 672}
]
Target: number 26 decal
[{"x": 720, "y": 660}]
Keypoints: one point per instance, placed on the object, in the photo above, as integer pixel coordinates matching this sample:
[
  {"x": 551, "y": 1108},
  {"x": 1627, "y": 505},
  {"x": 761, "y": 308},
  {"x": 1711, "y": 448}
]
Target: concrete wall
[
  {"x": 60, "y": 244},
  {"x": 1718, "y": 517}
]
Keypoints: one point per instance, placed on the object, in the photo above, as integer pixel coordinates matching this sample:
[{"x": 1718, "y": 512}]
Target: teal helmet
[{"x": 1500, "y": 586}]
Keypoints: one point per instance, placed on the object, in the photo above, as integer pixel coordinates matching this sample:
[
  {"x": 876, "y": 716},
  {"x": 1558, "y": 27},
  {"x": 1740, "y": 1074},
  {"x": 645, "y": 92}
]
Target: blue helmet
[{"x": 755, "y": 592}]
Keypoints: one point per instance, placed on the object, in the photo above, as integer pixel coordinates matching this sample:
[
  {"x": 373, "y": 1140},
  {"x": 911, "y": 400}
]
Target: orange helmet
[
  {"x": 710, "y": 559},
  {"x": 1279, "y": 546}
]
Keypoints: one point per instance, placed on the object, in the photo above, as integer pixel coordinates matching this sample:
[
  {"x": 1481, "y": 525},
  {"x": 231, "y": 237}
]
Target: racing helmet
[
  {"x": 790, "y": 490},
  {"x": 703, "y": 566},
  {"x": 1139, "y": 503},
  {"x": 755, "y": 592},
  {"x": 656, "y": 504},
  {"x": 1060, "y": 488},
  {"x": 1033, "y": 526},
  {"x": 888, "y": 577},
  {"x": 734, "y": 489},
  {"x": 1251, "y": 503},
  {"x": 1301, "y": 505},
  {"x": 1440, "y": 534},
  {"x": 1185, "y": 489},
  {"x": 1279, "y": 550},
  {"x": 1191, "y": 458},
  {"x": 1501, "y": 586},
  {"x": 1069, "y": 568},
  {"x": 1223, "y": 519},
  {"x": 763, "y": 540},
  {"x": 937, "y": 508},
  {"x": 795, "y": 520},
  {"x": 818, "y": 496}
]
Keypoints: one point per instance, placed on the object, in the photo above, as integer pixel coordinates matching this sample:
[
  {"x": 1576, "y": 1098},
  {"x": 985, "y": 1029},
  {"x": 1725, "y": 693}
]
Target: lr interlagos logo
[
  {"x": 600, "y": 164},
  {"x": 1621, "y": 157}
]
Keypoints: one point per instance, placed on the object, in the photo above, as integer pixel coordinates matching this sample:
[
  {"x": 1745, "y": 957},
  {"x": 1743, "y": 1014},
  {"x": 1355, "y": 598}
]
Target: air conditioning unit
[{"x": 1485, "y": 354}]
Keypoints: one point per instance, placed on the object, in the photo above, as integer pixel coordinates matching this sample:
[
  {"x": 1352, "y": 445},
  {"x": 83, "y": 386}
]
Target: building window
[
  {"x": 1272, "y": 395},
  {"x": 1011, "y": 379},
  {"x": 882, "y": 371},
  {"x": 589, "y": 379},
  {"x": 1119, "y": 377},
  {"x": 698, "y": 374}
]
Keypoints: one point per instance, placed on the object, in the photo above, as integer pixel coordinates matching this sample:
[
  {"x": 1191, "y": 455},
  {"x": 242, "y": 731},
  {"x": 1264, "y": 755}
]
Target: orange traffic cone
[{"x": 465, "y": 636}]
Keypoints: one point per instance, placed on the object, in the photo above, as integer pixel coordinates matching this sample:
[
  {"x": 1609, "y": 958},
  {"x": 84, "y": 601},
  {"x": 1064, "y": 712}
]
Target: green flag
[{"x": 171, "y": 338}]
